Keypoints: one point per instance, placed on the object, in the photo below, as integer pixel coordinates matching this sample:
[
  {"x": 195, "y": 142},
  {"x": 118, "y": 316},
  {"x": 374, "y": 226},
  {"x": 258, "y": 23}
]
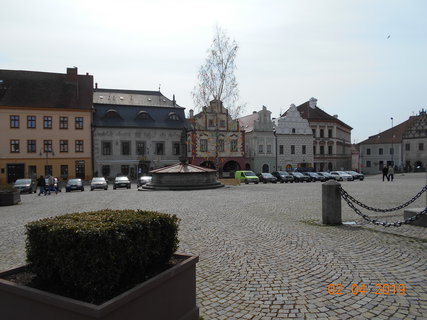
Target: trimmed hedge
[{"x": 94, "y": 256}]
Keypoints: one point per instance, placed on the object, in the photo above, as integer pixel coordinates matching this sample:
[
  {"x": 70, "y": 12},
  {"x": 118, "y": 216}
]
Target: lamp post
[
  {"x": 47, "y": 156},
  {"x": 392, "y": 149}
]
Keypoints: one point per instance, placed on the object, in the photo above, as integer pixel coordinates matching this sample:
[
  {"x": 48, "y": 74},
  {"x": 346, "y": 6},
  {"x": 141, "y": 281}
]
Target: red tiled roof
[
  {"x": 247, "y": 122},
  {"x": 318, "y": 114},
  {"x": 392, "y": 135}
]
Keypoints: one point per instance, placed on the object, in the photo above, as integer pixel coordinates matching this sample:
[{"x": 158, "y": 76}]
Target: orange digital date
[{"x": 378, "y": 289}]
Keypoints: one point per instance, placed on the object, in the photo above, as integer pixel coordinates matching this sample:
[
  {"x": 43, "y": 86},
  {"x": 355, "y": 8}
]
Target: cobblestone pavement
[{"x": 264, "y": 254}]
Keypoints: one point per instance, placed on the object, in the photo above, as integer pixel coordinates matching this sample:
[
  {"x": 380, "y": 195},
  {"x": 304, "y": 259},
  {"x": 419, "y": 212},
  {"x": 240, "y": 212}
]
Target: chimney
[
  {"x": 96, "y": 85},
  {"x": 335, "y": 116},
  {"x": 191, "y": 113},
  {"x": 174, "y": 101},
  {"x": 313, "y": 103},
  {"x": 72, "y": 73}
]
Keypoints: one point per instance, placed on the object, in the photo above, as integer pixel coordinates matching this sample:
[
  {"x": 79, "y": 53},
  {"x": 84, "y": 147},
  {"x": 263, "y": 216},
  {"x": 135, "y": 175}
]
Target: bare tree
[{"x": 216, "y": 79}]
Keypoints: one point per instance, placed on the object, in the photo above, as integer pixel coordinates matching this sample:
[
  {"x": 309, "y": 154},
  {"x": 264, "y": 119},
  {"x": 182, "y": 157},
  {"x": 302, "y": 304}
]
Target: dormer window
[
  {"x": 173, "y": 116},
  {"x": 293, "y": 130},
  {"x": 112, "y": 114},
  {"x": 143, "y": 115}
]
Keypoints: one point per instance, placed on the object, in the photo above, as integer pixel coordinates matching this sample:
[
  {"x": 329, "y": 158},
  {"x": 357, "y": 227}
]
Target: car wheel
[
  {"x": 246, "y": 181},
  {"x": 256, "y": 182},
  {"x": 114, "y": 188},
  {"x": 91, "y": 189}
]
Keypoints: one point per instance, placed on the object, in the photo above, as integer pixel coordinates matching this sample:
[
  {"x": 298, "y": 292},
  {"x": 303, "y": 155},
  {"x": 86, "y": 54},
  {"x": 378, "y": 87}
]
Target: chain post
[{"x": 331, "y": 203}]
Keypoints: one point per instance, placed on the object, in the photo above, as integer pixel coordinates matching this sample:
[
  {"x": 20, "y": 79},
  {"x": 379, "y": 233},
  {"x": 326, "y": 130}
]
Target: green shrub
[
  {"x": 94, "y": 256},
  {"x": 7, "y": 188}
]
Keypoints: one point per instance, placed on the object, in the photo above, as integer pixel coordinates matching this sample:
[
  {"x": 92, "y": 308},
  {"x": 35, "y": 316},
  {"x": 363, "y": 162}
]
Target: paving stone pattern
[{"x": 263, "y": 252}]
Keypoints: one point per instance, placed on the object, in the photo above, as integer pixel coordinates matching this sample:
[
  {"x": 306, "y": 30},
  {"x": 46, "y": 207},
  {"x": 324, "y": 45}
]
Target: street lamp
[
  {"x": 47, "y": 155},
  {"x": 392, "y": 149}
]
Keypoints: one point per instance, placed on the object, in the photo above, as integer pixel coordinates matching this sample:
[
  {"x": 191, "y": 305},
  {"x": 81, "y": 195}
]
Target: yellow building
[{"x": 46, "y": 124}]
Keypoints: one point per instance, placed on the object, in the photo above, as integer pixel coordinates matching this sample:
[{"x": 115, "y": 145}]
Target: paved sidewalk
[{"x": 263, "y": 253}]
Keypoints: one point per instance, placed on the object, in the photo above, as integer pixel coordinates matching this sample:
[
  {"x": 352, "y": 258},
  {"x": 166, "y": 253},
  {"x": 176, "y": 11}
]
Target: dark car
[
  {"x": 74, "y": 184},
  {"x": 98, "y": 183},
  {"x": 26, "y": 185},
  {"x": 283, "y": 176},
  {"x": 267, "y": 177},
  {"x": 121, "y": 182},
  {"x": 327, "y": 175},
  {"x": 143, "y": 180},
  {"x": 356, "y": 175},
  {"x": 316, "y": 177},
  {"x": 299, "y": 177}
]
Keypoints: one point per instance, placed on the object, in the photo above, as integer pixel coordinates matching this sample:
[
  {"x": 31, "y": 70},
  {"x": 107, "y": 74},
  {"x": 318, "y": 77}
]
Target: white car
[
  {"x": 98, "y": 183},
  {"x": 342, "y": 175}
]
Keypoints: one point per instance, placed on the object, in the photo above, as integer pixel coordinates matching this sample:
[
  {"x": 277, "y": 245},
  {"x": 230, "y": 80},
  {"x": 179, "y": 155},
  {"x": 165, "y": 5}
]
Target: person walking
[
  {"x": 51, "y": 182},
  {"x": 390, "y": 173},
  {"x": 42, "y": 183},
  {"x": 385, "y": 173}
]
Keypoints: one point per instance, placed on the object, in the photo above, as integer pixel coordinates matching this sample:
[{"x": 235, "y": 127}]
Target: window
[
  {"x": 292, "y": 149},
  {"x": 105, "y": 171},
  {"x": 63, "y": 122},
  {"x": 260, "y": 148},
  {"x": 322, "y": 149},
  {"x": 140, "y": 148},
  {"x": 160, "y": 148},
  {"x": 47, "y": 170},
  {"x": 175, "y": 148},
  {"x": 222, "y": 123},
  {"x": 304, "y": 149},
  {"x": 380, "y": 151},
  {"x": 31, "y": 146},
  {"x": 314, "y": 150},
  {"x": 106, "y": 148},
  {"x": 79, "y": 145},
  {"x": 31, "y": 122},
  {"x": 314, "y": 132},
  {"x": 322, "y": 133},
  {"x": 32, "y": 171},
  {"x": 281, "y": 149},
  {"x": 368, "y": 151},
  {"x": 14, "y": 121},
  {"x": 79, "y": 122},
  {"x": 47, "y": 122},
  {"x": 391, "y": 150},
  {"x": 142, "y": 115},
  {"x": 368, "y": 164},
  {"x": 421, "y": 146},
  {"x": 63, "y": 145},
  {"x": 125, "y": 148},
  {"x": 408, "y": 147},
  {"x": 330, "y": 133},
  {"x": 125, "y": 169},
  {"x": 329, "y": 149},
  {"x": 203, "y": 145},
  {"x": 233, "y": 145},
  {"x": 268, "y": 148},
  {"x": 293, "y": 130},
  {"x": 211, "y": 123},
  {"x": 221, "y": 145},
  {"x": 14, "y": 146},
  {"x": 64, "y": 171},
  {"x": 47, "y": 145},
  {"x": 173, "y": 116}
]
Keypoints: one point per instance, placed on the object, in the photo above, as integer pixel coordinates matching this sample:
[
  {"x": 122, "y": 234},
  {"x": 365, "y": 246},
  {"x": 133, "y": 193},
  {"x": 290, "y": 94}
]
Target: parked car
[
  {"x": 267, "y": 177},
  {"x": 143, "y": 180},
  {"x": 299, "y": 177},
  {"x": 316, "y": 177},
  {"x": 342, "y": 175},
  {"x": 246, "y": 177},
  {"x": 283, "y": 176},
  {"x": 327, "y": 175},
  {"x": 74, "y": 184},
  {"x": 98, "y": 183},
  {"x": 26, "y": 185},
  {"x": 356, "y": 175},
  {"x": 121, "y": 182}
]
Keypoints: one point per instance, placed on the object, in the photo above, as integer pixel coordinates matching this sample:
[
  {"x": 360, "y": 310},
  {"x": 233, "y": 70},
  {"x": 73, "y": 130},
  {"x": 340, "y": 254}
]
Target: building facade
[
  {"x": 383, "y": 149},
  {"x": 214, "y": 140},
  {"x": 331, "y": 138},
  {"x": 135, "y": 132},
  {"x": 260, "y": 141},
  {"x": 46, "y": 124},
  {"x": 414, "y": 143},
  {"x": 294, "y": 141}
]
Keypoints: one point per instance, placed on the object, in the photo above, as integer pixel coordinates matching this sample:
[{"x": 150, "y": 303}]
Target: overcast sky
[{"x": 365, "y": 61}]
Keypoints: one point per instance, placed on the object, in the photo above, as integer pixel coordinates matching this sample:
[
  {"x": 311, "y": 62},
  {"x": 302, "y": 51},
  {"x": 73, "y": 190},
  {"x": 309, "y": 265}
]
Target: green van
[{"x": 246, "y": 177}]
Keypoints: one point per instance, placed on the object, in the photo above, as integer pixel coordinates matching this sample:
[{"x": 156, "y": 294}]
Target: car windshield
[
  {"x": 23, "y": 181},
  {"x": 249, "y": 173},
  {"x": 98, "y": 180},
  {"x": 283, "y": 173},
  {"x": 268, "y": 175},
  {"x": 122, "y": 179},
  {"x": 74, "y": 181}
]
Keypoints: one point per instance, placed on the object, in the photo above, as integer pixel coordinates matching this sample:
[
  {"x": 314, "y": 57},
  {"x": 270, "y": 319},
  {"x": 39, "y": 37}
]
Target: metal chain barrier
[
  {"x": 360, "y": 204},
  {"x": 350, "y": 201}
]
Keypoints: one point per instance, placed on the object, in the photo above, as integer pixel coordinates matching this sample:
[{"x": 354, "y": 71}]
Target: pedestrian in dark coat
[
  {"x": 42, "y": 183},
  {"x": 385, "y": 173}
]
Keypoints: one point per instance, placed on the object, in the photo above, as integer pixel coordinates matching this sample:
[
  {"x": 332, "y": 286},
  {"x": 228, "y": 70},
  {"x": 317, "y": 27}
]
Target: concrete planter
[
  {"x": 9, "y": 198},
  {"x": 169, "y": 295}
]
